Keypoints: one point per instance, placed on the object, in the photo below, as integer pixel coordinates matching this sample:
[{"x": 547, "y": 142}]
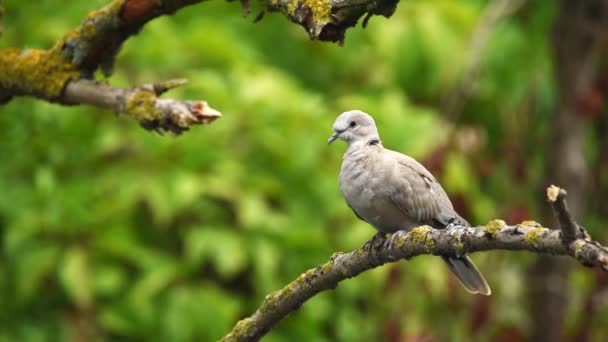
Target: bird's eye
[{"x": 353, "y": 124}]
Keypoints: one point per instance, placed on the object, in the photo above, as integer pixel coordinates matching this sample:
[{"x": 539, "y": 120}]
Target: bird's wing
[{"x": 418, "y": 194}]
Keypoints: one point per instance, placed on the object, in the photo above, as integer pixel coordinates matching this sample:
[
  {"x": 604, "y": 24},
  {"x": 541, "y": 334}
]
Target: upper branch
[
  {"x": 57, "y": 74},
  {"x": 455, "y": 240},
  {"x": 329, "y": 19}
]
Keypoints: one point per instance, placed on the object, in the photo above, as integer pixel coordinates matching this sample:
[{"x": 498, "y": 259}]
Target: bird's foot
[
  {"x": 375, "y": 242},
  {"x": 392, "y": 243}
]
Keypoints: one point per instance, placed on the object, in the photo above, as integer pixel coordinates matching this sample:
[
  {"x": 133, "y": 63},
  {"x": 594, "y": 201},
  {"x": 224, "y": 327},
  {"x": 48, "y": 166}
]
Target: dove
[{"x": 393, "y": 192}]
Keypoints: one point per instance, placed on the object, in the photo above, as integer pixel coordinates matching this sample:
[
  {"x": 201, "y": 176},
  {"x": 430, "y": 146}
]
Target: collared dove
[{"x": 393, "y": 192}]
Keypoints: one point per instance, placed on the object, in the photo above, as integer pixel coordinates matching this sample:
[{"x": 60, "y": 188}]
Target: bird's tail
[{"x": 468, "y": 275}]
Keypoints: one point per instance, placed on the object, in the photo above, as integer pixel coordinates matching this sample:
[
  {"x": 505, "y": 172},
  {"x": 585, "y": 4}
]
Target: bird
[{"x": 393, "y": 192}]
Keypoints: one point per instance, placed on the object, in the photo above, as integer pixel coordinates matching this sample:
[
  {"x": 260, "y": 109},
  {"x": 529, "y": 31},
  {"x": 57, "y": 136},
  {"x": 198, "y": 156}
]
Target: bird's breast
[{"x": 367, "y": 191}]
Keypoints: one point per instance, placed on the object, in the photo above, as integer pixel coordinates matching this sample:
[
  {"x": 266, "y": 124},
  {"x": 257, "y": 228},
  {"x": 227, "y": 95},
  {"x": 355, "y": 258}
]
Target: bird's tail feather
[{"x": 468, "y": 275}]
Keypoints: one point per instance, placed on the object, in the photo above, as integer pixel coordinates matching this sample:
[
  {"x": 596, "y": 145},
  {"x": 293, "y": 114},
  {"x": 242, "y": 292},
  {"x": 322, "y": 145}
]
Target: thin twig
[
  {"x": 557, "y": 198},
  {"x": 143, "y": 104}
]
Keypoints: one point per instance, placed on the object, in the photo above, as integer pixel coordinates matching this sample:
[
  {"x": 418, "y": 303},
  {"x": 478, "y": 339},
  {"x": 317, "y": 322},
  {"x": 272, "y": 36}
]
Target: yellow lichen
[
  {"x": 141, "y": 105},
  {"x": 458, "y": 244},
  {"x": 578, "y": 246},
  {"x": 530, "y": 223},
  {"x": 42, "y": 73},
  {"x": 398, "y": 241},
  {"x": 291, "y": 7},
  {"x": 420, "y": 235},
  {"x": 45, "y": 73},
  {"x": 494, "y": 227},
  {"x": 321, "y": 10},
  {"x": 327, "y": 267},
  {"x": 534, "y": 235}
]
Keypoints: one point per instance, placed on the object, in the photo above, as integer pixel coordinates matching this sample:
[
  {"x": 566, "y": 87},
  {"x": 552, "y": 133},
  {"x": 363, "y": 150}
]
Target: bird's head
[{"x": 354, "y": 126}]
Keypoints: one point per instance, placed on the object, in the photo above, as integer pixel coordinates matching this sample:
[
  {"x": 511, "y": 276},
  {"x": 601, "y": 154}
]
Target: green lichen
[
  {"x": 141, "y": 106},
  {"x": 420, "y": 235},
  {"x": 533, "y": 236},
  {"x": 40, "y": 73},
  {"x": 494, "y": 227}
]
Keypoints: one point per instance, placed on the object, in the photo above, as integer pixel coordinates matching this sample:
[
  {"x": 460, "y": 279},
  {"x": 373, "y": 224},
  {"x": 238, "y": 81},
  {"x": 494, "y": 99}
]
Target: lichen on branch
[
  {"x": 93, "y": 45},
  {"x": 144, "y": 104},
  {"x": 453, "y": 240},
  {"x": 34, "y": 72},
  {"x": 328, "y": 20}
]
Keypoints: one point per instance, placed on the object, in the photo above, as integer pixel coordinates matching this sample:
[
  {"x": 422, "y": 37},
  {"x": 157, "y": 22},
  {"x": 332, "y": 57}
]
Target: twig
[
  {"x": 455, "y": 240},
  {"x": 143, "y": 104},
  {"x": 557, "y": 198}
]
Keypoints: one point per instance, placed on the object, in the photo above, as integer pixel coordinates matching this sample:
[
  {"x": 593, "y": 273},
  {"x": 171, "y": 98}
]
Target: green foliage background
[{"x": 109, "y": 232}]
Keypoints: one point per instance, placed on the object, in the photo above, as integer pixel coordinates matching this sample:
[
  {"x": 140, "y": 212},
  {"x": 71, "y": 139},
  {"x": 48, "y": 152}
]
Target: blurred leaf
[
  {"x": 75, "y": 276},
  {"x": 223, "y": 248}
]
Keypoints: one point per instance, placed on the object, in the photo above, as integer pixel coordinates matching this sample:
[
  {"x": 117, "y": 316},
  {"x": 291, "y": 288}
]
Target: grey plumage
[{"x": 392, "y": 191}]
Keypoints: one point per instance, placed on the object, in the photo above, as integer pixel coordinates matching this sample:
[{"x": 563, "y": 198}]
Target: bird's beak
[{"x": 333, "y": 137}]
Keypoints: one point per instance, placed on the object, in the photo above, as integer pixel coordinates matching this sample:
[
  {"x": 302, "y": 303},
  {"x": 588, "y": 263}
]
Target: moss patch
[{"x": 494, "y": 227}]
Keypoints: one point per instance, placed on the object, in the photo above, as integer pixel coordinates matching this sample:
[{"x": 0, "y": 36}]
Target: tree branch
[
  {"x": 143, "y": 104},
  {"x": 454, "y": 240},
  {"x": 59, "y": 74}
]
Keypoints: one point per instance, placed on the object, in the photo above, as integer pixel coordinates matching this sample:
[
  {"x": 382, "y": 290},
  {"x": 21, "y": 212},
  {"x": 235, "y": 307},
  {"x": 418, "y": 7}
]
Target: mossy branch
[
  {"x": 54, "y": 74},
  {"x": 454, "y": 240}
]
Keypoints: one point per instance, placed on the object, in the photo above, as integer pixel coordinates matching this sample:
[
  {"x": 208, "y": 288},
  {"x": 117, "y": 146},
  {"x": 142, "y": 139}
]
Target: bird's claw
[
  {"x": 375, "y": 242},
  {"x": 391, "y": 245}
]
